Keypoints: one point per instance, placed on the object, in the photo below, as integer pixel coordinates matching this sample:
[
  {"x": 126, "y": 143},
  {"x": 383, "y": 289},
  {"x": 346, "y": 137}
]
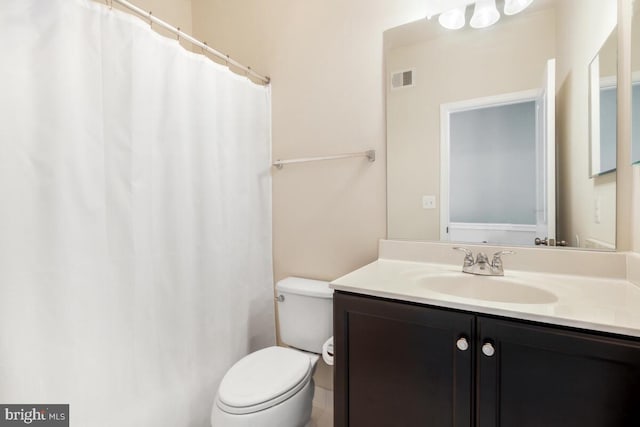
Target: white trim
[
  {"x": 608, "y": 82},
  {"x": 444, "y": 172},
  {"x": 493, "y": 226},
  {"x": 504, "y": 234},
  {"x": 550, "y": 142},
  {"x": 491, "y": 101}
]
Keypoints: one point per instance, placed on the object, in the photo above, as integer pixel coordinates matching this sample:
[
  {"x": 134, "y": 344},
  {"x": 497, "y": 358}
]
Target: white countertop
[{"x": 601, "y": 304}]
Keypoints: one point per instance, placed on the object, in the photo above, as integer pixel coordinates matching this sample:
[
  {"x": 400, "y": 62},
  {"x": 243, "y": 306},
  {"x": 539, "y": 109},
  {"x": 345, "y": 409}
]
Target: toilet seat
[{"x": 263, "y": 379}]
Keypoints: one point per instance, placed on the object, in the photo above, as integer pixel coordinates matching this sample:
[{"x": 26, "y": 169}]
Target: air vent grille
[{"x": 400, "y": 79}]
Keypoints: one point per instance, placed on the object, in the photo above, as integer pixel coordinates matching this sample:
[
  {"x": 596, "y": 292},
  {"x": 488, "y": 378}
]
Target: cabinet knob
[
  {"x": 462, "y": 344},
  {"x": 488, "y": 350}
]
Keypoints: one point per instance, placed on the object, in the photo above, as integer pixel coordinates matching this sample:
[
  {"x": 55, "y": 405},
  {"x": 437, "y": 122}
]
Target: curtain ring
[
  {"x": 204, "y": 50},
  {"x": 178, "y": 34},
  {"x": 150, "y": 20}
]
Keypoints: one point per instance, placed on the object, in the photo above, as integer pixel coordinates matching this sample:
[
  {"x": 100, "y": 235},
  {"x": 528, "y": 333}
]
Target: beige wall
[
  {"x": 577, "y": 193},
  {"x": 326, "y": 62},
  {"x": 478, "y": 64}
]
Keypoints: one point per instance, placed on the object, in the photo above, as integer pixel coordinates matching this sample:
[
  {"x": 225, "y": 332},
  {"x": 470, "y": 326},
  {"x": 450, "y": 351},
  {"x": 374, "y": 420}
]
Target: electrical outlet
[{"x": 428, "y": 202}]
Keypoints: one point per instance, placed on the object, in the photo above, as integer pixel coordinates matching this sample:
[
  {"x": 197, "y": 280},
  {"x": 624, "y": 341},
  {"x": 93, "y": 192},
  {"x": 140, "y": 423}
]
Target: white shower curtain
[{"x": 135, "y": 217}]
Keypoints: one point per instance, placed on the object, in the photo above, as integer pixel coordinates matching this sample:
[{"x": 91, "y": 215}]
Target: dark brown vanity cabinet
[
  {"x": 400, "y": 364},
  {"x": 548, "y": 376}
]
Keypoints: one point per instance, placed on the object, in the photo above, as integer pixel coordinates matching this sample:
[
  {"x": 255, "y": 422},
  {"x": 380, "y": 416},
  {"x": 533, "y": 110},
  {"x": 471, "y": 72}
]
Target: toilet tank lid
[{"x": 307, "y": 287}]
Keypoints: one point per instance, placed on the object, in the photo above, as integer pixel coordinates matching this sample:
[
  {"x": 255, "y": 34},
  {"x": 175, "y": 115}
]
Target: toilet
[{"x": 274, "y": 387}]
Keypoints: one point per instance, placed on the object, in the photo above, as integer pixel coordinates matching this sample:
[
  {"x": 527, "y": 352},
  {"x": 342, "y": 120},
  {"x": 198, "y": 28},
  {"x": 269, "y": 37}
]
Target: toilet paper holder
[{"x": 327, "y": 352}]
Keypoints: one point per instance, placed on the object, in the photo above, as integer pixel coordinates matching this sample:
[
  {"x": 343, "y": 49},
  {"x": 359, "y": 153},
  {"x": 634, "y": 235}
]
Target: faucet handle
[
  {"x": 497, "y": 258},
  {"x": 468, "y": 257}
]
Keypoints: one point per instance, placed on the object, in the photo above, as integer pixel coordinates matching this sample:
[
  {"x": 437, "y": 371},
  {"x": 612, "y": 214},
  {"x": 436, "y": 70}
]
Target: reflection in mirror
[
  {"x": 495, "y": 131},
  {"x": 603, "y": 107},
  {"x": 502, "y": 206},
  {"x": 635, "y": 76}
]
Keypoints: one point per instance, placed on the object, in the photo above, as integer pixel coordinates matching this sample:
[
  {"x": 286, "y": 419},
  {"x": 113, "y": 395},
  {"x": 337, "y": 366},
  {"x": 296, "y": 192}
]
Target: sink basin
[{"x": 486, "y": 288}]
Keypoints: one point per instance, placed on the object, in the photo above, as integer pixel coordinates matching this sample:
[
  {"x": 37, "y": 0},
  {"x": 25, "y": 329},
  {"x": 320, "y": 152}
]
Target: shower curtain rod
[{"x": 180, "y": 34}]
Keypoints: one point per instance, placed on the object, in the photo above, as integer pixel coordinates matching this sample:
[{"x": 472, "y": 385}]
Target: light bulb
[
  {"x": 453, "y": 19},
  {"x": 485, "y": 14},
  {"x": 511, "y": 7}
]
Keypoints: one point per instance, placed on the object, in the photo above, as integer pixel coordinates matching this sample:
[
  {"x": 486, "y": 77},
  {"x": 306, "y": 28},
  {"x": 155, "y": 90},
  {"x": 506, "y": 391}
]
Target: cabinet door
[
  {"x": 398, "y": 365},
  {"x": 551, "y": 377}
]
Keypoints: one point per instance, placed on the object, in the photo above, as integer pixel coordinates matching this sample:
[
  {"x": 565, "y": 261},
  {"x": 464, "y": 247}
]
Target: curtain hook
[
  {"x": 204, "y": 50},
  {"x": 150, "y": 20},
  {"x": 178, "y": 34},
  {"x": 226, "y": 62}
]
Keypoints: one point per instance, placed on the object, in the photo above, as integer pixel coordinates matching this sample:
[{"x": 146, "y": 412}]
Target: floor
[
  {"x": 321, "y": 417},
  {"x": 322, "y": 412}
]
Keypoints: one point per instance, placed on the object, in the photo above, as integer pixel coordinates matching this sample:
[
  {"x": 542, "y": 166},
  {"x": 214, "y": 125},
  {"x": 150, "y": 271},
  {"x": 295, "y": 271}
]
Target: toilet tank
[{"x": 305, "y": 313}]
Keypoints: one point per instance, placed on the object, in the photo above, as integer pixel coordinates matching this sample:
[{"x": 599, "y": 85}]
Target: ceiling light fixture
[
  {"x": 453, "y": 19},
  {"x": 485, "y": 13},
  {"x": 511, "y": 7}
]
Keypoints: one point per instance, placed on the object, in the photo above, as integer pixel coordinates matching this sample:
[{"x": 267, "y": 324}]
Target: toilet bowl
[{"x": 274, "y": 387}]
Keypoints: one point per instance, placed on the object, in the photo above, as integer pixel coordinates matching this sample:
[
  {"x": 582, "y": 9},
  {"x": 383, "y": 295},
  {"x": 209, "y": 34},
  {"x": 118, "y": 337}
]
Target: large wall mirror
[
  {"x": 635, "y": 77},
  {"x": 488, "y": 130}
]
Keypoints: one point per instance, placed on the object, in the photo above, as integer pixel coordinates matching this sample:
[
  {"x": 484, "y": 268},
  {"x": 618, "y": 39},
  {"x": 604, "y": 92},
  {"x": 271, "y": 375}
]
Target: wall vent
[{"x": 404, "y": 78}]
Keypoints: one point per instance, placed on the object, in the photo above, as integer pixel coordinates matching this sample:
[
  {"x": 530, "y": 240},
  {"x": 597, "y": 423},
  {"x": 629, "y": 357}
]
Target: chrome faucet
[{"x": 481, "y": 265}]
